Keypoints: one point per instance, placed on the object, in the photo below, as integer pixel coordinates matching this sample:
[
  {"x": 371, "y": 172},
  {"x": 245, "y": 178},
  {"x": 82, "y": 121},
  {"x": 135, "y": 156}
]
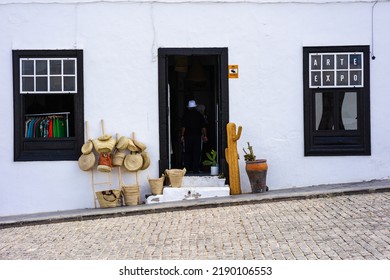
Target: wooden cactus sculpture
[{"x": 231, "y": 155}]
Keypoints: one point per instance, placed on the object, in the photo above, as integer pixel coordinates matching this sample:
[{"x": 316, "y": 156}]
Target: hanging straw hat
[
  {"x": 105, "y": 137},
  {"x": 87, "y": 147},
  {"x": 86, "y": 161},
  {"x": 122, "y": 144},
  {"x": 133, "y": 162},
  {"x": 146, "y": 160},
  {"x": 141, "y": 146},
  {"x": 105, "y": 146},
  {"x": 131, "y": 146},
  {"x": 105, "y": 162}
]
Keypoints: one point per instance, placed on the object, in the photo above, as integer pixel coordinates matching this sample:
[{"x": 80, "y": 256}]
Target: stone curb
[{"x": 271, "y": 196}]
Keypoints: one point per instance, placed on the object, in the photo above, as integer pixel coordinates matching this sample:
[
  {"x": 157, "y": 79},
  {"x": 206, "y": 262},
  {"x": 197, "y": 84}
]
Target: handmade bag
[
  {"x": 157, "y": 185},
  {"x": 118, "y": 158},
  {"x": 175, "y": 177},
  {"x": 109, "y": 198},
  {"x": 131, "y": 194},
  {"x": 105, "y": 162}
]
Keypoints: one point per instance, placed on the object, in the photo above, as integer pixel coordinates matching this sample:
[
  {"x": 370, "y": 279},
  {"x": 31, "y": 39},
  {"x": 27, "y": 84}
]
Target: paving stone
[{"x": 335, "y": 227}]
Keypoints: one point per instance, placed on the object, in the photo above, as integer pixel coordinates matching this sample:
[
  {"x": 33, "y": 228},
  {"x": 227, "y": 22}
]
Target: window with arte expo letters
[{"x": 336, "y": 100}]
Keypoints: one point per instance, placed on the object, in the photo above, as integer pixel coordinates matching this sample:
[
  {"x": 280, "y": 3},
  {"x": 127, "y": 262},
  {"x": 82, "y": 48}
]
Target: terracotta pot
[{"x": 257, "y": 173}]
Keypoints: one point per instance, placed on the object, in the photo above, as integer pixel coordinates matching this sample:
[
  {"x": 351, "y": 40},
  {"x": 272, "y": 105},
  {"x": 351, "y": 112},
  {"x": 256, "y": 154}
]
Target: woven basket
[
  {"x": 157, "y": 185},
  {"x": 105, "y": 162},
  {"x": 131, "y": 194},
  {"x": 109, "y": 198},
  {"x": 175, "y": 177},
  {"x": 118, "y": 158}
]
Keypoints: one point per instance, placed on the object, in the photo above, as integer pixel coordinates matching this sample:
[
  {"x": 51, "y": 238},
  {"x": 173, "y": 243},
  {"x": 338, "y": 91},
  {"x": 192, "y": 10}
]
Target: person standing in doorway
[{"x": 193, "y": 132}]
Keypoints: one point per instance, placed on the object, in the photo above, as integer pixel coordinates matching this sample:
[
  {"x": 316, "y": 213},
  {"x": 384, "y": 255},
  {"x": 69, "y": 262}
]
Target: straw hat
[
  {"x": 122, "y": 144},
  {"x": 141, "y": 146},
  {"x": 146, "y": 160},
  {"x": 133, "y": 162},
  {"x": 86, "y": 161},
  {"x": 132, "y": 147},
  {"x": 87, "y": 147},
  {"x": 105, "y": 146},
  {"x": 105, "y": 137}
]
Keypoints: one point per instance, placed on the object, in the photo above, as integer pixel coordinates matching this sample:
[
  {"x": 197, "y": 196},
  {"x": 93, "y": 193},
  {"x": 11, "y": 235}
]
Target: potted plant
[
  {"x": 256, "y": 170},
  {"x": 221, "y": 180},
  {"x": 212, "y": 162}
]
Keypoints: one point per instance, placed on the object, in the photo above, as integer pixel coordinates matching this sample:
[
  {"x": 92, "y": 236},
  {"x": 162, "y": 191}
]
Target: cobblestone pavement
[{"x": 336, "y": 227}]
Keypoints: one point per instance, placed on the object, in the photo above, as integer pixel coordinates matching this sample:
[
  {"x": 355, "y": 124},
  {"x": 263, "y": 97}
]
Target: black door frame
[{"x": 222, "y": 54}]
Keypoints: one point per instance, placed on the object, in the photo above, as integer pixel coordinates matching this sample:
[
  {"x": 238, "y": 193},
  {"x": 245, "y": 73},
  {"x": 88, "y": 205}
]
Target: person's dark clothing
[{"x": 193, "y": 122}]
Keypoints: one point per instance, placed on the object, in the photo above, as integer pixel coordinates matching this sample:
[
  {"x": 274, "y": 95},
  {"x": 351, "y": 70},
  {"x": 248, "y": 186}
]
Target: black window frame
[
  {"x": 337, "y": 142},
  {"x": 43, "y": 149}
]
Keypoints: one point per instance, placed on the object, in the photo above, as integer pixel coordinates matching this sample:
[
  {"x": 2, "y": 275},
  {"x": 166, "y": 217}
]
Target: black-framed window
[
  {"x": 48, "y": 104},
  {"x": 336, "y": 100}
]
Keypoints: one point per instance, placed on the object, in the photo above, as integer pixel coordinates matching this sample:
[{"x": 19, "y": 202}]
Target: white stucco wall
[{"x": 120, "y": 41}]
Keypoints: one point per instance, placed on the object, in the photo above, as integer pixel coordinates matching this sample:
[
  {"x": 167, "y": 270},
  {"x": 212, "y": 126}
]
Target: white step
[{"x": 193, "y": 187}]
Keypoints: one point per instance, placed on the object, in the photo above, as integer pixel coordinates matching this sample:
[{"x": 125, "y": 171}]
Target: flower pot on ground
[
  {"x": 212, "y": 162},
  {"x": 256, "y": 171}
]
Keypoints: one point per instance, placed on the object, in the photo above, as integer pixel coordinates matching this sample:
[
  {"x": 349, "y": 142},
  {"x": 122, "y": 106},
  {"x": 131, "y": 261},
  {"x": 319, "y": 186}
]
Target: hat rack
[
  {"x": 136, "y": 174},
  {"x": 122, "y": 187},
  {"x": 93, "y": 181}
]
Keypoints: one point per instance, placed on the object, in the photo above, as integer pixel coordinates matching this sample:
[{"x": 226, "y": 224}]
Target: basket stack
[
  {"x": 175, "y": 177},
  {"x": 131, "y": 194},
  {"x": 157, "y": 185}
]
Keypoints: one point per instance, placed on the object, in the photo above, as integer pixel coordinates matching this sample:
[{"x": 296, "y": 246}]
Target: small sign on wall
[{"x": 233, "y": 71}]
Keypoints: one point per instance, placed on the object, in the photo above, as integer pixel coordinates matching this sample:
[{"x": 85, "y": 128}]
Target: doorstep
[
  {"x": 192, "y": 187},
  {"x": 188, "y": 193}
]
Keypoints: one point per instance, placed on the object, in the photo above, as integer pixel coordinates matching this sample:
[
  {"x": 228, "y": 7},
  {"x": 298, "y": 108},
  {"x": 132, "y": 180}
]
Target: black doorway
[{"x": 192, "y": 73}]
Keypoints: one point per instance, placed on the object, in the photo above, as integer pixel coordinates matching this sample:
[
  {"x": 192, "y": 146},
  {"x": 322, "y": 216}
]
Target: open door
[{"x": 200, "y": 74}]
